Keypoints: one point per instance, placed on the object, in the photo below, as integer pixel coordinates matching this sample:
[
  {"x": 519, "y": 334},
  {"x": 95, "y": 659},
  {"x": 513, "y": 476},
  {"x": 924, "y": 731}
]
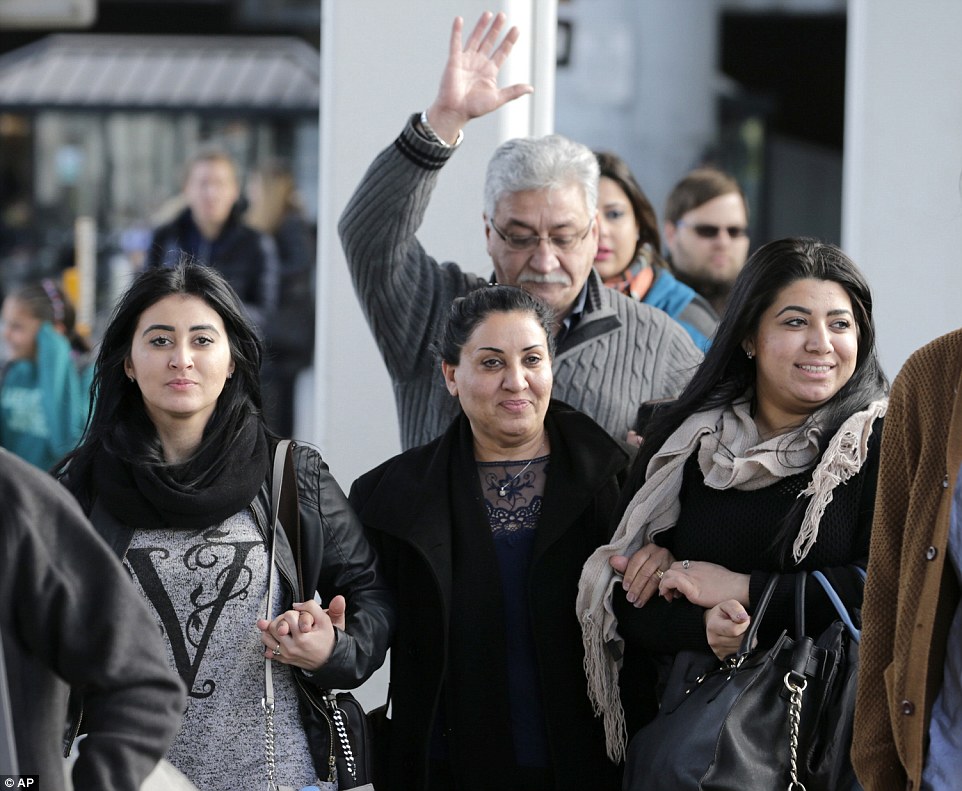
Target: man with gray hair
[{"x": 540, "y": 208}]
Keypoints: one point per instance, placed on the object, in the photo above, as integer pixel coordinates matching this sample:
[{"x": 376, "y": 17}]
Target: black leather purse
[
  {"x": 766, "y": 718},
  {"x": 335, "y": 722}
]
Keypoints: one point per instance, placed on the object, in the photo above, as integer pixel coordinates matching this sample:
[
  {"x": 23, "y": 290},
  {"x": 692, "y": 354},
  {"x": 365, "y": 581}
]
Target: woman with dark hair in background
[
  {"x": 482, "y": 533},
  {"x": 741, "y": 477},
  {"x": 173, "y": 472},
  {"x": 628, "y": 256}
]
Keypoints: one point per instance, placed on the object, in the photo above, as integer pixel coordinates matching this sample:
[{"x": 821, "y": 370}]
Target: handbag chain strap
[
  {"x": 338, "y": 716},
  {"x": 267, "y": 702},
  {"x": 794, "y": 721}
]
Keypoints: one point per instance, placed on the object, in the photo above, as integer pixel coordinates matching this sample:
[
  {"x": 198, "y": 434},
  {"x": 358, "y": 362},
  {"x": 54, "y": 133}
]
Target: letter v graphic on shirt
[{"x": 222, "y": 576}]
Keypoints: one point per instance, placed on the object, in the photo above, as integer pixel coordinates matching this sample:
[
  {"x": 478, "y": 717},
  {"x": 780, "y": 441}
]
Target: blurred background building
[{"x": 102, "y": 102}]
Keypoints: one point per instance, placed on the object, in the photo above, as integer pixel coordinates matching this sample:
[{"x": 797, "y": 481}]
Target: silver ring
[
  {"x": 276, "y": 650},
  {"x": 686, "y": 564}
]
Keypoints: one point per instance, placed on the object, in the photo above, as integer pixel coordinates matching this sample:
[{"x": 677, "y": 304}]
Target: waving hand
[{"x": 469, "y": 84}]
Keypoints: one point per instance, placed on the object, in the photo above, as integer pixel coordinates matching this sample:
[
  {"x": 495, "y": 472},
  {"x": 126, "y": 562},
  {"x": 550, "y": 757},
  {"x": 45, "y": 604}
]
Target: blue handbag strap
[{"x": 840, "y": 608}]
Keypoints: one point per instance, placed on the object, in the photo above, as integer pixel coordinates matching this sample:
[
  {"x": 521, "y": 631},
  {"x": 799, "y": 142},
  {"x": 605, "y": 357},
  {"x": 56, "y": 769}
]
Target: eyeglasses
[
  {"x": 525, "y": 244},
  {"x": 706, "y": 231}
]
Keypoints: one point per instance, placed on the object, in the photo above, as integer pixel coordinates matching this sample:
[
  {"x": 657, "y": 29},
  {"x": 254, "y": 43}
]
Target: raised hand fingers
[
  {"x": 484, "y": 37},
  {"x": 454, "y": 44},
  {"x": 491, "y": 37},
  {"x": 500, "y": 55}
]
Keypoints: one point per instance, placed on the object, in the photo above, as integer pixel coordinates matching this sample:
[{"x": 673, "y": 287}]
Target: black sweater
[{"x": 745, "y": 531}]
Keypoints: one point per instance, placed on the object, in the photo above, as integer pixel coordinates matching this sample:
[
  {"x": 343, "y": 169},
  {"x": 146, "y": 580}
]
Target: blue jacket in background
[{"x": 44, "y": 402}]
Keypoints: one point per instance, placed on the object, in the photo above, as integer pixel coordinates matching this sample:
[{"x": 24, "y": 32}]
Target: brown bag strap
[{"x": 284, "y": 506}]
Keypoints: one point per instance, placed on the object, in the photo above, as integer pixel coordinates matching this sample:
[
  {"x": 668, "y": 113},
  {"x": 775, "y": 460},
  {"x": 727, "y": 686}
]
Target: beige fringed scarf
[{"x": 730, "y": 455}]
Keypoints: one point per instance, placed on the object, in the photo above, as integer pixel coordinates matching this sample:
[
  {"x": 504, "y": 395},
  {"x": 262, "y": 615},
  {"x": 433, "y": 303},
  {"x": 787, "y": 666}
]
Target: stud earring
[
  {"x": 230, "y": 375},
  {"x": 749, "y": 354}
]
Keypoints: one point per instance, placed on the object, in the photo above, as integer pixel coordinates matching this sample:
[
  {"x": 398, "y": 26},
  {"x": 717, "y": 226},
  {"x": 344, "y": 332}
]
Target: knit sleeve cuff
[{"x": 420, "y": 150}]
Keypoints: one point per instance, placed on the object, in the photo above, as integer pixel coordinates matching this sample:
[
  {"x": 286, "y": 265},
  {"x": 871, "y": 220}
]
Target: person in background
[
  {"x": 211, "y": 230},
  {"x": 628, "y": 257},
  {"x": 274, "y": 208},
  {"x": 706, "y": 233},
  {"x": 541, "y": 230},
  {"x": 69, "y": 617},
  {"x": 45, "y": 389},
  {"x": 742, "y": 476},
  {"x": 482, "y": 533},
  {"x": 173, "y": 471},
  {"x": 907, "y": 713}
]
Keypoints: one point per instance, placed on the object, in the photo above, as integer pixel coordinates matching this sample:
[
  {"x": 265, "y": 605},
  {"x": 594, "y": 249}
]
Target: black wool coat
[{"x": 406, "y": 505}]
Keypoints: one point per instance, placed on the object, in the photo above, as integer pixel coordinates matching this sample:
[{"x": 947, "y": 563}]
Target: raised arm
[{"x": 379, "y": 224}]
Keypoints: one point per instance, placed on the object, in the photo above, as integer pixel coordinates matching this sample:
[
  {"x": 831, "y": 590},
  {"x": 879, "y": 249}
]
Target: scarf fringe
[
  {"x": 603, "y": 689},
  {"x": 842, "y": 459}
]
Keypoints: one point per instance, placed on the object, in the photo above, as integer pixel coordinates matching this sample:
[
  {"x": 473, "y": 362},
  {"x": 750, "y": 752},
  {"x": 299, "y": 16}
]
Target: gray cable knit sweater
[{"x": 620, "y": 354}]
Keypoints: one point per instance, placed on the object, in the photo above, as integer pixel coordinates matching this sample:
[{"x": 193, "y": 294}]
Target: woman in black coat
[{"x": 483, "y": 533}]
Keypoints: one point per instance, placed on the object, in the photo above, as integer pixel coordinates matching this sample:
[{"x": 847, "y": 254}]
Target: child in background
[{"x": 44, "y": 392}]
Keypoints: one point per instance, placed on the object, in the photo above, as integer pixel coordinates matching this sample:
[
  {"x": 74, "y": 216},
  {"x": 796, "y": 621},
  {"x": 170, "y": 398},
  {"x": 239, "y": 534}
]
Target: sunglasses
[{"x": 706, "y": 231}]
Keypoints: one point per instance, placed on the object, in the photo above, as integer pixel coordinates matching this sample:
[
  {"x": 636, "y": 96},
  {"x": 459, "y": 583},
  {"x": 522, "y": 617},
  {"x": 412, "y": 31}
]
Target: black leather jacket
[{"x": 335, "y": 554}]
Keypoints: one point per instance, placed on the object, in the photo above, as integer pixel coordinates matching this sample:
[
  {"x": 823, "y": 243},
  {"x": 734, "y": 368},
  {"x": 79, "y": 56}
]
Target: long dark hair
[
  {"x": 727, "y": 373},
  {"x": 119, "y": 423}
]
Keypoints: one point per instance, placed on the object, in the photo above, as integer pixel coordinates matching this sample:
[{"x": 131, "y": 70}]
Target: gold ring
[{"x": 659, "y": 573}]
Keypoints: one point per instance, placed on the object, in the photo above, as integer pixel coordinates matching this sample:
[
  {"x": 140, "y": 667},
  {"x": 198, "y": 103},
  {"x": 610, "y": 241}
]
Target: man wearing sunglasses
[
  {"x": 706, "y": 233},
  {"x": 541, "y": 227}
]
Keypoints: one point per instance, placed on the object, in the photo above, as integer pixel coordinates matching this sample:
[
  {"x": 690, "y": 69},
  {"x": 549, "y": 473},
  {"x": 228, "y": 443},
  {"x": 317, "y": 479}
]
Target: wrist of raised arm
[{"x": 444, "y": 128}]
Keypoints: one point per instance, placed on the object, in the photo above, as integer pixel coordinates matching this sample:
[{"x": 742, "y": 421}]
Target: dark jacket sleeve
[
  {"x": 75, "y": 616},
  {"x": 343, "y": 562}
]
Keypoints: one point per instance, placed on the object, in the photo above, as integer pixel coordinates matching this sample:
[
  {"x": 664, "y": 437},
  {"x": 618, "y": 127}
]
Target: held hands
[
  {"x": 304, "y": 635},
  {"x": 725, "y": 623},
  {"x": 469, "y": 84}
]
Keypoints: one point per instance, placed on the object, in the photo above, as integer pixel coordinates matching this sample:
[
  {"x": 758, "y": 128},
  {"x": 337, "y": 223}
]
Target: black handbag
[
  {"x": 761, "y": 719},
  {"x": 335, "y": 723}
]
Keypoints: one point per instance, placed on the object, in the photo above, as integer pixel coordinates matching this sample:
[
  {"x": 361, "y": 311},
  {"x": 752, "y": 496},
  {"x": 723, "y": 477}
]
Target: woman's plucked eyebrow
[
  {"x": 169, "y": 328},
  {"x": 807, "y": 312}
]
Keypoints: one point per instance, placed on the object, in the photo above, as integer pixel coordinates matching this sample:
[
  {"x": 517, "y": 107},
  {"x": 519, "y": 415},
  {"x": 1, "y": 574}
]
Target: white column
[
  {"x": 901, "y": 198},
  {"x": 381, "y": 61}
]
